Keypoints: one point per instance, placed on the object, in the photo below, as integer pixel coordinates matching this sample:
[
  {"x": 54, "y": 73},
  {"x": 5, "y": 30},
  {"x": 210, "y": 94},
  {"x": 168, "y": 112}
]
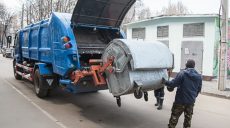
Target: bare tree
[
  {"x": 37, "y": 10},
  {"x": 138, "y": 12},
  {"x": 144, "y": 14},
  {"x": 6, "y": 19},
  {"x": 2, "y": 11},
  {"x": 174, "y": 9}
]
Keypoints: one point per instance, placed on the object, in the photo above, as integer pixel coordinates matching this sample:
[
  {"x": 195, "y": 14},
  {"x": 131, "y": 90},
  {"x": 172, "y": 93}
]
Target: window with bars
[
  {"x": 138, "y": 33},
  {"x": 194, "y": 29},
  {"x": 162, "y": 31}
]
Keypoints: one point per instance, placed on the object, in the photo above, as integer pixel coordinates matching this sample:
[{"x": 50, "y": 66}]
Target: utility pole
[
  {"x": 222, "y": 79},
  {"x": 27, "y": 13},
  {"x": 40, "y": 10},
  {"x": 22, "y": 16},
  {"x": 30, "y": 13},
  {"x": 2, "y": 27},
  {"x": 51, "y": 10}
]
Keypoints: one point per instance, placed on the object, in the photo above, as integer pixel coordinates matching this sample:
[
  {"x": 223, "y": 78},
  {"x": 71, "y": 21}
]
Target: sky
[{"x": 194, "y": 6}]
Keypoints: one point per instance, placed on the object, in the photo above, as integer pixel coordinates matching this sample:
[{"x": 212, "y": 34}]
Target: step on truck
[{"x": 86, "y": 51}]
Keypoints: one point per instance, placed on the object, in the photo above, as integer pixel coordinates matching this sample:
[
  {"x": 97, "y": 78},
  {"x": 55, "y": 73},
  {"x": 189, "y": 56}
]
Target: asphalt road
[{"x": 20, "y": 108}]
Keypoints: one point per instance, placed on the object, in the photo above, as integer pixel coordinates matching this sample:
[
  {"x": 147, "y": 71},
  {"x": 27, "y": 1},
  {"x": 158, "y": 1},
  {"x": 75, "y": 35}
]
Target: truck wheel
[
  {"x": 17, "y": 77},
  {"x": 41, "y": 86}
]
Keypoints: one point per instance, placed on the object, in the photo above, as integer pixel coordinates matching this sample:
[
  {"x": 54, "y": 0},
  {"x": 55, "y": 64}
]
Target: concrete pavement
[
  {"x": 20, "y": 108},
  {"x": 17, "y": 111},
  {"x": 211, "y": 88}
]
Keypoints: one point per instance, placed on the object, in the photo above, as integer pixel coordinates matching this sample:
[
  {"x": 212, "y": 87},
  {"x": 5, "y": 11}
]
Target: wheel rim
[
  {"x": 36, "y": 85},
  {"x": 137, "y": 94},
  {"x": 15, "y": 74}
]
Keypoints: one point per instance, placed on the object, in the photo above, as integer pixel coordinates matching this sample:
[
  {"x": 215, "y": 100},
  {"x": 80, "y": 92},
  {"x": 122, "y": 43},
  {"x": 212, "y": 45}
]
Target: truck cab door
[{"x": 17, "y": 47}]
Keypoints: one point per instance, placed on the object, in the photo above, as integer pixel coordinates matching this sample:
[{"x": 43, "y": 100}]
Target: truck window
[
  {"x": 16, "y": 41},
  {"x": 26, "y": 39}
]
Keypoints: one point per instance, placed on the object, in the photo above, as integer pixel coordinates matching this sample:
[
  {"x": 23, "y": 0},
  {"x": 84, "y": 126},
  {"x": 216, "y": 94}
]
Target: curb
[{"x": 216, "y": 95}]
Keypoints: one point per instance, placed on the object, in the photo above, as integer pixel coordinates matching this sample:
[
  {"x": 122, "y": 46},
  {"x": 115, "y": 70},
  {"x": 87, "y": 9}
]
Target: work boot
[
  {"x": 160, "y": 104},
  {"x": 157, "y": 103}
]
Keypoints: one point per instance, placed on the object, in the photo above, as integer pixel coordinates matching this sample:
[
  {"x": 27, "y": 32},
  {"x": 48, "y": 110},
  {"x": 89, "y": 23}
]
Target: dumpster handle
[{"x": 123, "y": 66}]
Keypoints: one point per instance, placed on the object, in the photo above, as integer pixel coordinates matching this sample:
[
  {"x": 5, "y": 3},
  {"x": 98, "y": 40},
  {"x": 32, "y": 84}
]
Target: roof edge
[{"x": 174, "y": 16}]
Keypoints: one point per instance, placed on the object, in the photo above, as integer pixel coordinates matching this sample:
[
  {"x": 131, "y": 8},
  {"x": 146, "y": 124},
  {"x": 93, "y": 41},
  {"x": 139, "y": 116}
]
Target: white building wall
[
  {"x": 209, "y": 43},
  {"x": 129, "y": 33},
  {"x": 176, "y": 38},
  {"x": 208, "y": 47}
]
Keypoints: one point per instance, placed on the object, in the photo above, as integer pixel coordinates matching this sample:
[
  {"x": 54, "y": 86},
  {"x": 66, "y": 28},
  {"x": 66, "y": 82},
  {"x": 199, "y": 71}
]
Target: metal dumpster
[{"x": 139, "y": 66}]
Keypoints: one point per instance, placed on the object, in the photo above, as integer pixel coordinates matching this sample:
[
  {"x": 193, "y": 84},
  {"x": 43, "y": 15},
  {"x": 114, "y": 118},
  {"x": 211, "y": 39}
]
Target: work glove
[
  {"x": 170, "y": 89},
  {"x": 163, "y": 81}
]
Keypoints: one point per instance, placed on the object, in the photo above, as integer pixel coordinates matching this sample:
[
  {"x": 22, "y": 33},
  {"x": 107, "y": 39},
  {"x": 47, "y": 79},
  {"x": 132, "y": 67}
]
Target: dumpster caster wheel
[
  {"x": 146, "y": 96},
  {"x": 118, "y": 101},
  {"x": 138, "y": 94}
]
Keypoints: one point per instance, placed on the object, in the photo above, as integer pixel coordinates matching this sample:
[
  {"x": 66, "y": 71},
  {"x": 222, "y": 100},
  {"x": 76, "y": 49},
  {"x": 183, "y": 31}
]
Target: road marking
[{"x": 38, "y": 107}]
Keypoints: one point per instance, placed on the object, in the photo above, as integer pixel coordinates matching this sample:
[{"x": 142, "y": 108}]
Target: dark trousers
[
  {"x": 159, "y": 93},
  {"x": 177, "y": 110}
]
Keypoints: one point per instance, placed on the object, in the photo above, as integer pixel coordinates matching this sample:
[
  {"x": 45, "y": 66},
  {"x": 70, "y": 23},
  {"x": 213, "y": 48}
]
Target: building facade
[{"x": 188, "y": 36}]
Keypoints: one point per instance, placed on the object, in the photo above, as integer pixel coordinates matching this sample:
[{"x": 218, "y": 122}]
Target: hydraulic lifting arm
[{"x": 97, "y": 70}]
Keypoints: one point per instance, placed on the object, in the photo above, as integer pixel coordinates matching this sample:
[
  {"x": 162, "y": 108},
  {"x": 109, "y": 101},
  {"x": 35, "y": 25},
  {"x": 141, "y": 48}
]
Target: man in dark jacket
[{"x": 188, "y": 83}]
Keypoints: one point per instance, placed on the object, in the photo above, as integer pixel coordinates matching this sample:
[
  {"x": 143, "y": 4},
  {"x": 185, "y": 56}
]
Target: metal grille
[
  {"x": 138, "y": 33},
  {"x": 162, "y": 31},
  {"x": 195, "y": 29}
]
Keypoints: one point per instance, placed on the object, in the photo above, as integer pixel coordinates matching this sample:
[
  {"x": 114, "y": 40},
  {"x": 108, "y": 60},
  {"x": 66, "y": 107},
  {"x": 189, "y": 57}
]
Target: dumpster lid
[{"x": 101, "y": 12}]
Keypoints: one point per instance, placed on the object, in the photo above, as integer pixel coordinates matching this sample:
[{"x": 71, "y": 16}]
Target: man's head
[{"x": 190, "y": 63}]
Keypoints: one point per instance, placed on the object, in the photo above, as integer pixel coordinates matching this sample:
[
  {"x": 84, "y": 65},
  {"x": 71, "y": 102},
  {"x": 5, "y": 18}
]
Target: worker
[
  {"x": 188, "y": 83},
  {"x": 159, "y": 94}
]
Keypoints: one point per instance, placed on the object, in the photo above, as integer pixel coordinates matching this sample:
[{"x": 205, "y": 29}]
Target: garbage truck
[{"x": 87, "y": 51}]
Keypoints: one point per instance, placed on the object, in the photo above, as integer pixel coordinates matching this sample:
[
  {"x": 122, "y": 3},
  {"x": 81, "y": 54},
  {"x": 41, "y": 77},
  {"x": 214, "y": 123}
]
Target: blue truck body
[
  {"x": 42, "y": 42},
  {"x": 40, "y": 48}
]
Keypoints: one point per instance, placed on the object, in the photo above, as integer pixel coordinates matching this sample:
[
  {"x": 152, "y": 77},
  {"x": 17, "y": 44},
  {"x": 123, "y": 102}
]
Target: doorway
[{"x": 192, "y": 50}]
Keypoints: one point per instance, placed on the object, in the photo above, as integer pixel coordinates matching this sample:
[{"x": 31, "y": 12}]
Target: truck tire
[
  {"x": 53, "y": 87},
  {"x": 16, "y": 76},
  {"x": 41, "y": 86}
]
